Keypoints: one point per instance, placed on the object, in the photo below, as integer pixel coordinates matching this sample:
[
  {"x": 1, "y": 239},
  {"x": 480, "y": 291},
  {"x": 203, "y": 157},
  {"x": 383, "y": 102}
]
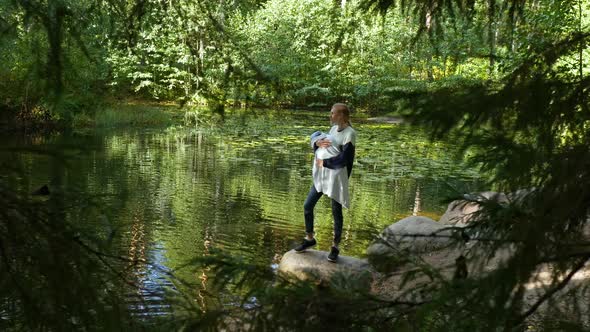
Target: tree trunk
[
  {"x": 54, "y": 27},
  {"x": 492, "y": 35},
  {"x": 417, "y": 201},
  {"x": 428, "y": 23},
  {"x": 581, "y": 52}
]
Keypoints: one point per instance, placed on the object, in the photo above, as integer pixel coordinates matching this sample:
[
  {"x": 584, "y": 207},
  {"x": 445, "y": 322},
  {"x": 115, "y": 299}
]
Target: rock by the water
[
  {"x": 42, "y": 191},
  {"x": 411, "y": 235},
  {"x": 461, "y": 212},
  {"x": 420, "y": 234},
  {"x": 312, "y": 265}
]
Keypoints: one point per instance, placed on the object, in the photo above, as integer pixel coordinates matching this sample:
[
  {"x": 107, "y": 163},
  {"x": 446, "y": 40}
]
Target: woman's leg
[
  {"x": 312, "y": 198},
  {"x": 338, "y": 221}
]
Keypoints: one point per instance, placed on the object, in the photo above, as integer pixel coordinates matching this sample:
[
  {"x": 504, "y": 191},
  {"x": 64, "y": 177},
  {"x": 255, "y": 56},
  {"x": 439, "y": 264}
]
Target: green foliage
[
  {"x": 158, "y": 64},
  {"x": 529, "y": 130},
  {"x": 306, "y": 53},
  {"x": 539, "y": 111},
  {"x": 37, "y": 73},
  {"x": 509, "y": 80}
]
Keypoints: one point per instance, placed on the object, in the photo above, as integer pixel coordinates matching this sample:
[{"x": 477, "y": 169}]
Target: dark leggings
[{"x": 312, "y": 198}]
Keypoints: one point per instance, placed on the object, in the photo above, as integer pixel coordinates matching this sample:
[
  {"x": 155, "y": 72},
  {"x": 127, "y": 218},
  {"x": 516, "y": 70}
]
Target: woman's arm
[
  {"x": 345, "y": 158},
  {"x": 321, "y": 143}
]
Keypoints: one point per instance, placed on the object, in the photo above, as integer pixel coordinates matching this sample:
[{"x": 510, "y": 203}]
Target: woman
[
  {"x": 325, "y": 180},
  {"x": 334, "y": 184}
]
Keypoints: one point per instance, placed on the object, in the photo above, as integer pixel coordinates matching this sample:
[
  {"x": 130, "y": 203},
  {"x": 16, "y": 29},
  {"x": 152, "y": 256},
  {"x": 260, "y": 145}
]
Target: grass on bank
[
  {"x": 138, "y": 114},
  {"x": 126, "y": 115}
]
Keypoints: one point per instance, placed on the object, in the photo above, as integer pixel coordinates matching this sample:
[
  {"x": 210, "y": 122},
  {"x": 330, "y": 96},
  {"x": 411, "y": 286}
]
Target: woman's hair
[{"x": 343, "y": 109}]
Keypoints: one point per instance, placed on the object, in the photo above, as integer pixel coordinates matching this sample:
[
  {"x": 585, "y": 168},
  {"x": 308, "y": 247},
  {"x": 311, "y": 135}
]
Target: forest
[
  {"x": 63, "y": 58},
  {"x": 507, "y": 81}
]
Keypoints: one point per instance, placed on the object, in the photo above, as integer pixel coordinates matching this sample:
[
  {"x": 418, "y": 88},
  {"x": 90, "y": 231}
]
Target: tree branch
[{"x": 552, "y": 292}]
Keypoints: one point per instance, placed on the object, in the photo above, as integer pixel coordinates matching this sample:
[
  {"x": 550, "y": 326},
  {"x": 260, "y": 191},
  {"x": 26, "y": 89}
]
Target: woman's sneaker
[
  {"x": 305, "y": 244},
  {"x": 333, "y": 256}
]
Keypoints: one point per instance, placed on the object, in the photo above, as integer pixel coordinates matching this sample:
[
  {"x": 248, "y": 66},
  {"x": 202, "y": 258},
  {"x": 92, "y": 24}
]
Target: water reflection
[{"x": 169, "y": 196}]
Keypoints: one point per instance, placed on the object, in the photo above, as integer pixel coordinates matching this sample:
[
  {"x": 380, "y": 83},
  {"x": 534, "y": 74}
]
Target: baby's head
[{"x": 317, "y": 135}]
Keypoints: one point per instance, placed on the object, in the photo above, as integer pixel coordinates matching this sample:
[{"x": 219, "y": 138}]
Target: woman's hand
[
  {"x": 319, "y": 163},
  {"x": 323, "y": 143}
]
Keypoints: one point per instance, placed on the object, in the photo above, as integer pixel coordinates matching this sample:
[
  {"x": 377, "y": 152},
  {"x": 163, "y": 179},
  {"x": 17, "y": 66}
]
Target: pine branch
[{"x": 561, "y": 285}]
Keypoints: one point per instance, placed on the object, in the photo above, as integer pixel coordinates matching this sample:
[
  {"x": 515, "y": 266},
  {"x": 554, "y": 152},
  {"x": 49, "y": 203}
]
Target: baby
[{"x": 321, "y": 152}]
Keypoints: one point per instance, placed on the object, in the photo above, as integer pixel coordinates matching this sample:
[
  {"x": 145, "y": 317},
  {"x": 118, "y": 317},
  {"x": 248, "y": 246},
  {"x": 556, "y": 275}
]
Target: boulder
[
  {"x": 413, "y": 235},
  {"x": 312, "y": 265},
  {"x": 461, "y": 212}
]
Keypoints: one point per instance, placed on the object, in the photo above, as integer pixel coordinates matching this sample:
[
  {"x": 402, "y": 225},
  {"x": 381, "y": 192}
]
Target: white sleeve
[{"x": 350, "y": 137}]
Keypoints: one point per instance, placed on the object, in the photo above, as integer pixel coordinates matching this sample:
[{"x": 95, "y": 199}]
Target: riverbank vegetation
[
  {"x": 62, "y": 58},
  {"x": 510, "y": 78}
]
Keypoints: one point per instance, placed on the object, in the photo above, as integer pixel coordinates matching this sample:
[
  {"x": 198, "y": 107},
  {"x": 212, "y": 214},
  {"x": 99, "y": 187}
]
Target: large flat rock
[{"x": 312, "y": 265}]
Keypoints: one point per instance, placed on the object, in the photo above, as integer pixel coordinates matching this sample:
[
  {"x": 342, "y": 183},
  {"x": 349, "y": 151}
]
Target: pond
[{"x": 166, "y": 196}]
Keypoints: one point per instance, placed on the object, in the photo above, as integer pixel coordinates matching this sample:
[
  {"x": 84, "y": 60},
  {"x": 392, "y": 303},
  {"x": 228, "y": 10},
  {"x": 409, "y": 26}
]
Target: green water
[{"x": 166, "y": 196}]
